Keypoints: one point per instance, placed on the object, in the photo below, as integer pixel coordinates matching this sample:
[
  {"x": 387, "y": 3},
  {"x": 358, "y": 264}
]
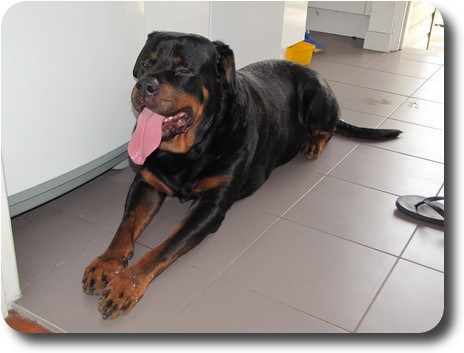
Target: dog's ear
[{"x": 225, "y": 63}]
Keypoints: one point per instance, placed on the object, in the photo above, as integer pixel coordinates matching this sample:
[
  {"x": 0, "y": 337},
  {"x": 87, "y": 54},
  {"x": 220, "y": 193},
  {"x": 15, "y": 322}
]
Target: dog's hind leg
[{"x": 314, "y": 143}]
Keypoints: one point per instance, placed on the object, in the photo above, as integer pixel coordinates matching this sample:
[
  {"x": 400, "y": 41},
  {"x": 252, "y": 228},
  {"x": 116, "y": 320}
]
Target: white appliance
[{"x": 67, "y": 78}]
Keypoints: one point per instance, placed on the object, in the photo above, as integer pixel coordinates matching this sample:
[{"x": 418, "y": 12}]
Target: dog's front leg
[
  {"x": 126, "y": 289},
  {"x": 142, "y": 203}
]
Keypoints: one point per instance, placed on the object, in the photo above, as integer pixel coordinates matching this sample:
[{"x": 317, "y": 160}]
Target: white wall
[
  {"x": 66, "y": 83},
  {"x": 255, "y": 30},
  {"x": 178, "y": 16}
]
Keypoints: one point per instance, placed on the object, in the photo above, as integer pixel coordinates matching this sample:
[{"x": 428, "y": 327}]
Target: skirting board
[{"x": 25, "y": 200}]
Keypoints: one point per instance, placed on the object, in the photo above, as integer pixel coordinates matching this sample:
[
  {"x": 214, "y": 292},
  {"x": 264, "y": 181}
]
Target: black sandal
[{"x": 423, "y": 208}]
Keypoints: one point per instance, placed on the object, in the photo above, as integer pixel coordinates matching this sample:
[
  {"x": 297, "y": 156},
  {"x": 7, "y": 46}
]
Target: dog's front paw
[
  {"x": 122, "y": 293},
  {"x": 100, "y": 272}
]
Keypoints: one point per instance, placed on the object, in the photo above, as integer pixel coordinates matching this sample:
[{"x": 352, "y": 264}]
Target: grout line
[
  {"x": 403, "y": 153},
  {"x": 71, "y": 256},
  {"x": 398, "y": 258},
  {"x": 383, "y": 91},
  {"x": 217, "y": 276},
  {"x": 317, "y": 183},
  {"x": 286, "y": 305}
]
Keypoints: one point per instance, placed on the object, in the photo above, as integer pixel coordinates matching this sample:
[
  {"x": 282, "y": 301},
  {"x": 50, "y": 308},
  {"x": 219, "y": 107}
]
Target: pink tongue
[{"x": 146, "y": 137}]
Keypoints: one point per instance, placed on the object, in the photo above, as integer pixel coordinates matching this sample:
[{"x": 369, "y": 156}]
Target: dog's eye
[
  {"x": 182, "y": 71},
  {"x": 145, "y": 65}
]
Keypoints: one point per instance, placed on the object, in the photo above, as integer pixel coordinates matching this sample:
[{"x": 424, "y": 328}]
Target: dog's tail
[{"x": 345, "y": 129}]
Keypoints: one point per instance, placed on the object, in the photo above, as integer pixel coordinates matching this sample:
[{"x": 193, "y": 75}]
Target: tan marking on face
[
  {"x": 182, "y": 143},
  {"x": 177, "y": 59}
]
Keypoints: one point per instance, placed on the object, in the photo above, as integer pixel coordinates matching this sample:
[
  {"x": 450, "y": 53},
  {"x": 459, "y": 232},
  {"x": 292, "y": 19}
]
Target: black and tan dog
[{"x": 210, "y": 134}]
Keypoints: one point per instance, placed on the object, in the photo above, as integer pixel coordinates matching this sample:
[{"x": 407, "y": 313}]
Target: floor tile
[
  {"x": 421, "y": 112},
  {"x": 396, "y": 65},
  {"x": 241, "y": 226},
  {"x": 431, "y": 90},
  {"x": 239, "y": 229},
  {"x": 416, "y": 140},
  {"x": 361, "y": 118},
  {"x": 333, "y": 71},
  {"x": 348, "y": 56},
  {"x": 100, "y": 201},
  {"x": 45, "y": 237},
  {"x": 411, "y": 301},
  {"x": 227, "y": 308},
  {"x": 439, "y": 75},
  {"x": 385, "y": 81},
  {"x": 427, "y": 247},
  {"x": 337, "y": 149},
  {"x": 284, "y": 187},
  {"x": 420, "y": 55},
  {"x": 367, "y": 100},
  {"x": 71, "y": 310},
  {"x": 169, "y": 216},
  {"x": 390, "y": 171},
  {"x": 354, "y": 212},
  {"x": 319, "y": 274}
]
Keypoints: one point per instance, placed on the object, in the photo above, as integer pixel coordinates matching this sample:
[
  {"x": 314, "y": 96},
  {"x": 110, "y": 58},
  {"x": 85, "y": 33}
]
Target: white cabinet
[
  {"x": 66, "y": 83},
  {"x": 347, "y": 18},
  {"x": 67, "y": 79}
]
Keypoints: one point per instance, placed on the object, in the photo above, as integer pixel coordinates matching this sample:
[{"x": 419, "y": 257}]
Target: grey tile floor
[{"x": 319, "y": 248}]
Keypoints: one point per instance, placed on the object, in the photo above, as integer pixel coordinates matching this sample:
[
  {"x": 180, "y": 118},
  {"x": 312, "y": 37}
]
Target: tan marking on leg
[
  {"x": 151, "y": 179},
  {"x": 209, "y": 183}
]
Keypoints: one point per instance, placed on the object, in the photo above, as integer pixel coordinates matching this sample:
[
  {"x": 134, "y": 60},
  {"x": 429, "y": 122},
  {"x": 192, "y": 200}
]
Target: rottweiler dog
[{"x": 207, "y": 133}]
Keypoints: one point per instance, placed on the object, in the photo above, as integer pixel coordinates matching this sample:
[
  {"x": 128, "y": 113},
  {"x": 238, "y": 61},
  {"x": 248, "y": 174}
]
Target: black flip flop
[{"x": 423, "y": 208}]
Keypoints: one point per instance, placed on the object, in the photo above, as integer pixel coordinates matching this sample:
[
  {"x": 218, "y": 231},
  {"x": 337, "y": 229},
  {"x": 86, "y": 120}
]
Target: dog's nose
[{"x": 147, "y": 86}]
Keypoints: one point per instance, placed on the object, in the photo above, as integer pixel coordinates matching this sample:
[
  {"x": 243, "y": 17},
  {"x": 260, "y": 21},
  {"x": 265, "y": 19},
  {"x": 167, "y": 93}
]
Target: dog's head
[{"x": 180, "y": 77}]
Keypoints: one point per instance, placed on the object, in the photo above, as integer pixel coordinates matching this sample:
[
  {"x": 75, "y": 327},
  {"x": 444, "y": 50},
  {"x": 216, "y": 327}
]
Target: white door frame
[
  {"x": 10, "y": 281},
  {"x": 387, "y": 26}
]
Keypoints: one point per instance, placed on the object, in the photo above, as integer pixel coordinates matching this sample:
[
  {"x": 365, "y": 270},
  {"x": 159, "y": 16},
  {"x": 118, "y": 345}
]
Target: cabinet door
[
  {"x": 66, "y": 84},
  {"x": 294, "y": 25}
]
